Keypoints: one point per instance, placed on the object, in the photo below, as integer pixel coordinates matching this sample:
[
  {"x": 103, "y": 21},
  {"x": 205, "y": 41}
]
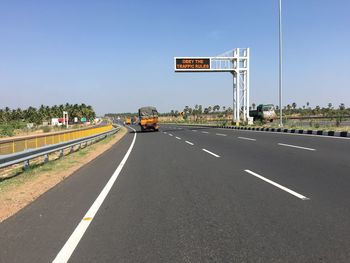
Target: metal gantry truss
[{"x": 236, "y": 61}]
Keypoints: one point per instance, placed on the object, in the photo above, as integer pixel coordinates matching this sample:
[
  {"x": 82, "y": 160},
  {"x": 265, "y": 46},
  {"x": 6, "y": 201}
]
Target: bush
[
  {"x": 338, "y": 121},
  {"x": 9, "y": 128},
  {"x": 6, "y": 130},
  {"x": 46, "y": 129}
]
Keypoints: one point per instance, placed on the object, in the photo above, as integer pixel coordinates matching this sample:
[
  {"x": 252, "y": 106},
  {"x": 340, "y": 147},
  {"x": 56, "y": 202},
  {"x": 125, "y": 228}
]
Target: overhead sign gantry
[{"x": 235, "y": 61}]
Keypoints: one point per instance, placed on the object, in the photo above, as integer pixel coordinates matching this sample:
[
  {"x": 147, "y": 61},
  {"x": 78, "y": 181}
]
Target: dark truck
[
  {"x": 263, "y": 112},
  {"x": 148, "y": 119}
]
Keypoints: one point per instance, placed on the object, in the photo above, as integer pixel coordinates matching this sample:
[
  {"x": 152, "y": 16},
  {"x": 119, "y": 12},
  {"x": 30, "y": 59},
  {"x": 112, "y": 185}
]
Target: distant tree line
[
  {"x": 289, "y": 109},
  {"x": 45, "y": 113},
  {"x": 121, "y": 115},
  {"x": 306, "y": 110},
  {"x": 198, "y": 110}
]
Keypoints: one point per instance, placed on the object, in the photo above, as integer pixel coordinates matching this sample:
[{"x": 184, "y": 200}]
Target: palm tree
[
  {"x": 186, "y": 110},
  {"x": 2, "y": 116}
]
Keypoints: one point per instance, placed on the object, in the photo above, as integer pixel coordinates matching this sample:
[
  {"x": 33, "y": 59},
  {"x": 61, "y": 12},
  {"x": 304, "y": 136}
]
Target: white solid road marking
[
  {"x": 190, "y": 143},
  {"x": 246, "y": 138},
  {"x": 170, "y": 134},
  {"x": 194, "y": 130},
  {"x": 178, "y": 138},
  {"x": 294, "y": 146},
  {"x": 220, "y": 134},
  {"x": 211, "y": 153},
  {"x": 278, "y": 185},
  {"x": 204, "y": 132},
  {"x": 69, "y": 247}
]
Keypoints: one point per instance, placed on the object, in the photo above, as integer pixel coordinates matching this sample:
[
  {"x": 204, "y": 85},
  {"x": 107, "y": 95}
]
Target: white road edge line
[
  {"x": 178, "y": 138},
  {"x": 67, "y": 250},
  {"x": 278, "y": 185},
  {"x": 204, "y": 132},
  {"x": 190, "y": 143},
  {"x": 211, "y": 153},
  {"x": 246, "y": 138},
  {"x": 294, "y": 146},
  {"x": 220, "y": 134}
]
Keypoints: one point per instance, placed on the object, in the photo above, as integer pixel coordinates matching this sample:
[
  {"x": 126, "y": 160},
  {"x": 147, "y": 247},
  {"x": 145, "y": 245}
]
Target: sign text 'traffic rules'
[{"x": 192, "y": 64}]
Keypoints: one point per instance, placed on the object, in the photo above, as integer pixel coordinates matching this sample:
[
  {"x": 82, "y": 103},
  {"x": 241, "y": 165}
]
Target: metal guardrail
[
  {"x": 26, "y": 156},
  {"x": 15, "y": 145}
]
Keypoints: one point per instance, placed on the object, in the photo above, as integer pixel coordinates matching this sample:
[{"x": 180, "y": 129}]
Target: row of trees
[
  {"x": 45, "y": 113},
  {"x": 306, "y": 110},
  {"x": 199, "y": 110},
  {"x": 288, "y": 110}
]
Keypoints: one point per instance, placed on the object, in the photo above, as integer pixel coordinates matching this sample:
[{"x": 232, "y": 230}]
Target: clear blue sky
[{"x": 118, "y": 55}]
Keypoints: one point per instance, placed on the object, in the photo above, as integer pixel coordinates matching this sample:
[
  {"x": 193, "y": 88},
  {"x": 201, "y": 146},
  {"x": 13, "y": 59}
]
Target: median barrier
[
  {"x": 295, "y": 131},
  {"x": 343, "y": 134},
  {"x": 331, "y": 133}
]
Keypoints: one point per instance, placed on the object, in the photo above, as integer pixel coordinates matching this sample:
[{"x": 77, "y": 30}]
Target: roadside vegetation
[
  {"x": 22, "y": 121},
  {"x": 305, "y": 117}
]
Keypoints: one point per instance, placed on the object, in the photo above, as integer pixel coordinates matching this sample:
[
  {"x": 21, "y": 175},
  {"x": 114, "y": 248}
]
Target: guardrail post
[
  {"x": 13, "y": 146},
  {"x": 61, "y": 153},
  {"x": 26, "y": 165},
  {"x": 46, "y": 158}
]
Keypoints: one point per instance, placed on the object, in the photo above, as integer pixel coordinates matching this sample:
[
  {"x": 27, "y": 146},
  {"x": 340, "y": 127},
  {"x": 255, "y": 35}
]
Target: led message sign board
[{"x": 192, "y": 64}]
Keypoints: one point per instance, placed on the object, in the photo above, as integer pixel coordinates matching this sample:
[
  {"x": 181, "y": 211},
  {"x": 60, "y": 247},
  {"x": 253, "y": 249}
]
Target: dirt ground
[{"x": 25, "y": 189}]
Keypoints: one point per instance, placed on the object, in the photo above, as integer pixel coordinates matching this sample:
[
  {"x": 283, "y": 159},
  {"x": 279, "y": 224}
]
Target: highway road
[{"x": 191, "y": 194}]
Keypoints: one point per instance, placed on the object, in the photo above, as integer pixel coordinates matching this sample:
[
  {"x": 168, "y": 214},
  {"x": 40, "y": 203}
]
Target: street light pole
[{"x": 280, "y": 62}]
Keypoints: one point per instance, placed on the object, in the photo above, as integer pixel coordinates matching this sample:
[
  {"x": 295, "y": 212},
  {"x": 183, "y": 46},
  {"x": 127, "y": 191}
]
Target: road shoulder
[{"x": 27, "y": 187}]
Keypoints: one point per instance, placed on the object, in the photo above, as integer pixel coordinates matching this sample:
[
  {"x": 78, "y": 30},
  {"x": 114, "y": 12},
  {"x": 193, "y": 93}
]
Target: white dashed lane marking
[
  {"x": 246, "y": 138},
  {"x": 278, "y": 185},
  {"x": 298, "y": 147},
  {"x": 214, "y": 154}
]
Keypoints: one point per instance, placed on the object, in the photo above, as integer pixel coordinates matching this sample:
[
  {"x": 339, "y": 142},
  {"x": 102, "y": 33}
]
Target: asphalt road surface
[{"x": 194, "y": 195}]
